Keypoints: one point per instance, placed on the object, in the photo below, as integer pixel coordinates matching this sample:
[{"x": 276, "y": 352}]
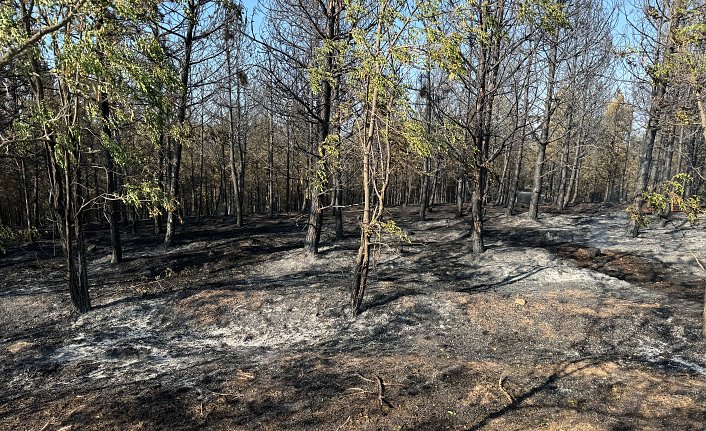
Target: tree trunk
[
  {"x": 233, "y": 135},
  {"x": 504, "y": 178},
  {"x": 659, "y": 88},
  {"x": 337, "y": 203},
  {"x": 544, "y": 140},
  {"x": 80, "y": 294},
  {"x": 36, "y": 194},
  {"x": 175, "y": 159},
  {"x": 113, "y": 204},
  {"x": 515, "y": 185},
  {"x": 270, "y": 158},
  {"x": 537, "y": 182},
  {"x": 25, "y": 193},
  {"x": 573, "y": 181},
  {"x": 424, "y": 188},
  {"x": 424, "y": 191},
  {"x": 477, "y": 212},
  {"x": 62, "y": 195},
  {"x": 288, "y": 179},
  {"x": 702, "y": 117},
  {"x": 646, "y": 157},
  {"x": 702, "y": 112},
  {"x": 241, "y": 139},
  {"x": 622, "y": 196},
  {"x": 460, "y": 188},
  {"x": 563, "y": 176},
  {"x": 316, "y": 216},
  {"x": 362, "y": 262}
]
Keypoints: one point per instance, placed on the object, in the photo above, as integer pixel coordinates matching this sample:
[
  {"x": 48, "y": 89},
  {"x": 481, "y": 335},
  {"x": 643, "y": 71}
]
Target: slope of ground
[{"x": 563, "y": 324}]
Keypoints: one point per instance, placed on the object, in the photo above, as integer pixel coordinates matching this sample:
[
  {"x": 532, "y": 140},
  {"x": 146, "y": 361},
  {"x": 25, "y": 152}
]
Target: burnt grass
[{"x": 234, "y": 328}]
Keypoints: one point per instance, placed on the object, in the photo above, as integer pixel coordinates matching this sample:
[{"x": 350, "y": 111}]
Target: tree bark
[
  {"x": 512, "y": 192},
  {"x": 175, "y": 159},
  {"x": 316, "y": 216},
  {"x": 25, "y": 193},
  {"x": 564, "y": 174},
  {"x": 113, "y": 204},
  {"x": 460, "y": 188},
  {"x": 362, "y": 262},
  {"x": 544, "y": 139},
  {"x": 659, "y": 88},
  {"x": 270, "y": 157},
  {"x": 62, "y": 195},
  {"x": 426, "y": 167},
  {"x": 658, "y": 91},
  {"x": 233, "y": 135}
]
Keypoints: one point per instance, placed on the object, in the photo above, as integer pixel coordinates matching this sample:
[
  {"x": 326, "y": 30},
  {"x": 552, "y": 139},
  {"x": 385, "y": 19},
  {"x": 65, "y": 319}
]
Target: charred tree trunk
[
  {"x": 477, "y": 210},
  {"x": 572, "y": 189},
  {"x": 25, "y": 193},
  {"x": 270, "y": 157},
  {"x": 337, "y": 203},
  {"x": 63, "y": 187},
  {"x": 424, "y": 186},
  {"x": 515, "y": 185},
  {"x": 658, "y": 91},
  {"x": 288, "y": 177},
  {"x": 501, "y": 198},
  {"x": 424, "y": 190},
  {"x": 233, "y": 134},
  {"x": 659, "y": 88},
  {"x": 316, "y": 215},
  {"x": 175, "y": 159},
  {"x": 460, "y": 188},
  {"x": 563, "y": 190},
  {"x": 544, "y": 139},
  {"x": 112, "y": 202}
]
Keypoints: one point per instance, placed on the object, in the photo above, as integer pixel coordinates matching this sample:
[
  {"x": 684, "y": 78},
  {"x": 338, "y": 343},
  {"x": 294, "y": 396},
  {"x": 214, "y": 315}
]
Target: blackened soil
[{"x": 235, "y": 328}]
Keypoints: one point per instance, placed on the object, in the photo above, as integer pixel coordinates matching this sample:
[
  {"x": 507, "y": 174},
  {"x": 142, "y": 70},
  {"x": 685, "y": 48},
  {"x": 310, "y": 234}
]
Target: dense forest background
[{"x": 157, "y": 114}]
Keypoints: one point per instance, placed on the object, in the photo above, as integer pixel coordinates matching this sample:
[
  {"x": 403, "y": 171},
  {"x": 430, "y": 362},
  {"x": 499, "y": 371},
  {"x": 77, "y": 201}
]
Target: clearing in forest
[{"x": 563, "y": 324}]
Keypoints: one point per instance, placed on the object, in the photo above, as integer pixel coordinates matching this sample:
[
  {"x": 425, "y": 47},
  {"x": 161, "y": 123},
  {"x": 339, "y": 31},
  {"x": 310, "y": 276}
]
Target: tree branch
[{"x": 16, "y": 50}]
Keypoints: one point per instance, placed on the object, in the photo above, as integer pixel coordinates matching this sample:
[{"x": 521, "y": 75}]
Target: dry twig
[
  {"x": 502, "y": 389},
  {"x": 343, "y": 424},
  {"x": 381, "y": 392}
]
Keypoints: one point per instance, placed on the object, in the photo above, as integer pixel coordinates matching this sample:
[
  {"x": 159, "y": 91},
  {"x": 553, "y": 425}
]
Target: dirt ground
[{"x": 563, "y": 324}]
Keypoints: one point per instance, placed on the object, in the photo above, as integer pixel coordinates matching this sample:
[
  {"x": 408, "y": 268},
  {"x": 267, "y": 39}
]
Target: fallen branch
[
  {"x": 502, "y": 389},
  {"x": 364, "y": 378},
  {"x": 381, "y": 392},
  {"x": 223, "y": 394},
  {"x": 343, "y": 424}
]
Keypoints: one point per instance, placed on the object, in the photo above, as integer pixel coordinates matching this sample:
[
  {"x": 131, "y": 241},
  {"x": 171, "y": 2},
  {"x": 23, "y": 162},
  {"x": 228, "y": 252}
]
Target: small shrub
[{"x": 7, "y": 234}]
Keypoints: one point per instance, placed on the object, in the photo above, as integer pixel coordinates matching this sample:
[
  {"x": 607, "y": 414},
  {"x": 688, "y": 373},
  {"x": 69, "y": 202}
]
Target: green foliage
[
  {"x": 671, "y": 194},
  {"x": 149, "y": 194},
  {"x": 379, "y": 228},
  {"x": 445, "y": 51},
  {"x": 391, "y": 228},
  {"x": 7, "y": 234},
  {"x": 637, "y": 216},
  {"x": 320, "y": 73},
  {"x": 328, "y": 162},
  {"x": 417, "y": 138},
  {"x": 547, "y": 15},
  {"x": 331, "y": 150}
]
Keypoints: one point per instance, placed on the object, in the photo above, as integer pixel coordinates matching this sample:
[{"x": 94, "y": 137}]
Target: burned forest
[{"x": 353, "y": 215}]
